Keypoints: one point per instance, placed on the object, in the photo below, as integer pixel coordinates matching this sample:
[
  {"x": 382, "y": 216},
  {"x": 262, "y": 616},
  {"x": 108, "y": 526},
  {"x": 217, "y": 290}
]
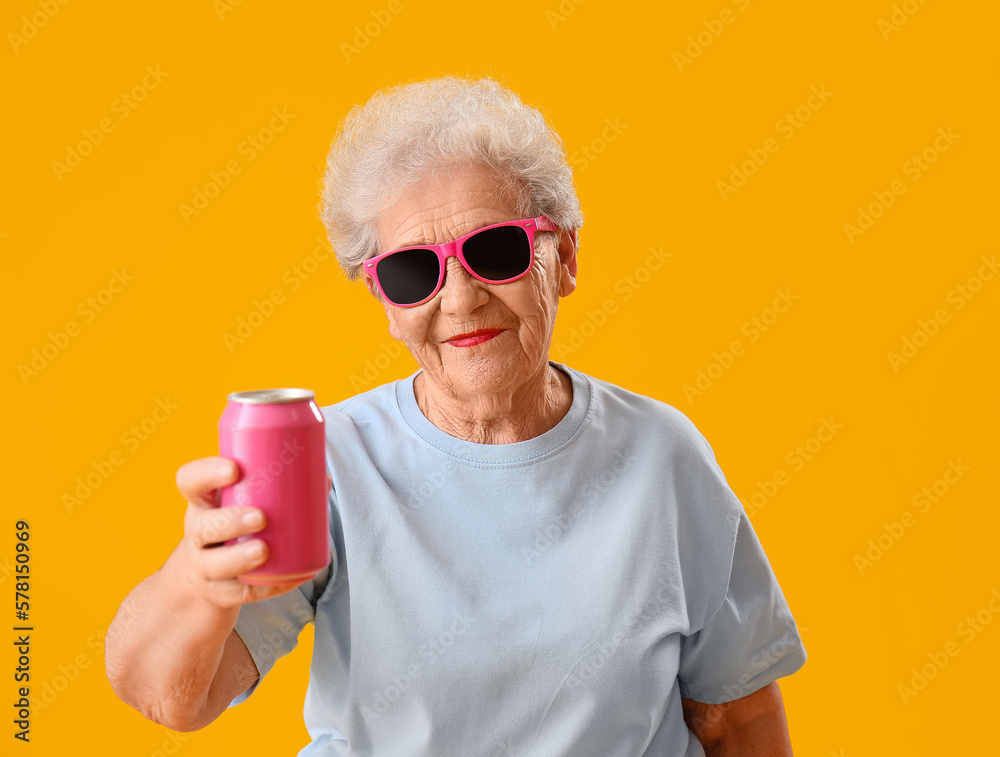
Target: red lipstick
[{"x": 473, "y": 338}]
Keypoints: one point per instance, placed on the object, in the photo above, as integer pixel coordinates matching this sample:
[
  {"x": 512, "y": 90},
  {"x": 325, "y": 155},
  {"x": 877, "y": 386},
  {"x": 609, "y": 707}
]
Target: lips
[{"x": 473, "y": 338}]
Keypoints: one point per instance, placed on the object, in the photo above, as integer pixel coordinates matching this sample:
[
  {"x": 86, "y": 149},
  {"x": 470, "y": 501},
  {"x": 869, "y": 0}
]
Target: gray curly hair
[{"x": 401, "y": 135}]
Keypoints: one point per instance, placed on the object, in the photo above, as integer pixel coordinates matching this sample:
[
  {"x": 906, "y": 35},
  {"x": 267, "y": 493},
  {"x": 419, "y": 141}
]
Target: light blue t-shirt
[{"x": 552, "y": 597}]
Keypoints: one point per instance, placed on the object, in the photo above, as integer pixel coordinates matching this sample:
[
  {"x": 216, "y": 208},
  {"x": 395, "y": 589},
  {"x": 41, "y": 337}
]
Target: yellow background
[{"x": 652, "y": 183}]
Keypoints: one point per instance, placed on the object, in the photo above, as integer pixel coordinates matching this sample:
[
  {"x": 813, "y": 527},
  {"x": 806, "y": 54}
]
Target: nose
[{"x": 461, "y": 293}]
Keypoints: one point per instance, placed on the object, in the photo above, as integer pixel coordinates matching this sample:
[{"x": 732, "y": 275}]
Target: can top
[{"x": 272, "y": 396}]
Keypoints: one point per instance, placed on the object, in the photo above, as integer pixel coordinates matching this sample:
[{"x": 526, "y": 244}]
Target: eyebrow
[{"x": 423, "y": 242}]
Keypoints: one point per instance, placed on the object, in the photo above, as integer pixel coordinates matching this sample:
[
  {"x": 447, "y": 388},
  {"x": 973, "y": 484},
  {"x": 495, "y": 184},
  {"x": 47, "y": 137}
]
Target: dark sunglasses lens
[
  {"x": 409, "y": 276},
  {"x": 499, "y": 254}
]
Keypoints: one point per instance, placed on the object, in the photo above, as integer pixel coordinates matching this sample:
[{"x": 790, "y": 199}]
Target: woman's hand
[
  {"x": 207, "y": 568},
  {"x": 172, "y": 651}
]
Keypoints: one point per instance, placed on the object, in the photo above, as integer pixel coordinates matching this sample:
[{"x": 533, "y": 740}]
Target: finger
[
  {"x": 198, "y": 480},
  {"x": 227, "y": 562},
  {"x": 329, "y": 483},
  {"x": 232, "y": 593},
  {"x": 255, "y": 592},
  {"x": 205, "y": 526}
]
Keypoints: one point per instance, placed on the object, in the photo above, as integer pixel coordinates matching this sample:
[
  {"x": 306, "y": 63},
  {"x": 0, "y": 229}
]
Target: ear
[
  {"x": 568, "y": 245},
  {"x": 370, "y": 283}
]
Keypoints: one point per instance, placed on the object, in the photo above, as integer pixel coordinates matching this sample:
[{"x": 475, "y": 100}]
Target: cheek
[
  {"x": 534, "y": 306},
  {"x": 412, "y": 324},
  {"x": 546, "y": 292}
]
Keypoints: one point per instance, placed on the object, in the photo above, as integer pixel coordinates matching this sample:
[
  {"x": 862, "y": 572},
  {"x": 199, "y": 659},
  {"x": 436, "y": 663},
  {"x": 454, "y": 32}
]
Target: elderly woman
[{"x": 526, "y": 560}]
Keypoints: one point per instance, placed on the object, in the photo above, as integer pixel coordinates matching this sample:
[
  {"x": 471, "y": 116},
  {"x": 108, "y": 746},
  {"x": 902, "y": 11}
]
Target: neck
[{"x": 505, "y": 417}]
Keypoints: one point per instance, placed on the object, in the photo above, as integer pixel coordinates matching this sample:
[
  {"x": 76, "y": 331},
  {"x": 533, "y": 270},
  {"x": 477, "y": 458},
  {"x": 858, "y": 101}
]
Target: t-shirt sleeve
[
  {"x": 750, "y": 641},
  {"x": 270, "y": 628}
]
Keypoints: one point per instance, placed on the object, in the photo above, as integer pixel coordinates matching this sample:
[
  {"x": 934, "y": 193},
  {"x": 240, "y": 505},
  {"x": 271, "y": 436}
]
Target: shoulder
[
  {"x": 669, "y": 446},
  {"x": 697, "y": 508},
  {"x": 654, "y": 420},
  {"x": 365, "y": 407}
]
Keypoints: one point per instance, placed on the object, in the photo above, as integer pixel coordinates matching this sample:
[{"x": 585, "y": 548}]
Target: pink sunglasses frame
[{"x": 454, "y": 248}]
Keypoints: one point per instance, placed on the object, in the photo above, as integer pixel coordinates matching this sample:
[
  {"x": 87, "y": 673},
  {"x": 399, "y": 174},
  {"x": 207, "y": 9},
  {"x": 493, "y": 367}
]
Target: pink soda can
[{"x": 277, "y": 438}]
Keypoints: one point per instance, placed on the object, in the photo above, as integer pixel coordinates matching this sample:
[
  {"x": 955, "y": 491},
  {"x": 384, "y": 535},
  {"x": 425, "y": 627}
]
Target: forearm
[
  {"x": 766, "y": 735},
  {"x": 753, "y": 725},
  {"x": 164, "y": 648}
]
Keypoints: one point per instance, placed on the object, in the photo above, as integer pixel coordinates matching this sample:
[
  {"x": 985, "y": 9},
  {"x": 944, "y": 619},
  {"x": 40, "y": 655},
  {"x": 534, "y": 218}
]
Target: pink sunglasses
[{"x": 495, "y": 254}]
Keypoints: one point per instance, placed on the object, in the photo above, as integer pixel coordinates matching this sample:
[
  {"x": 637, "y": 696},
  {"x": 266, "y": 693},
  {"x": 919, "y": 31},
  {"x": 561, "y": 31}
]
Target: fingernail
[
  {"x": 255, "y": 551},
  {"x": 225, "y": 470},
  {"x": 253, "y": 518}
]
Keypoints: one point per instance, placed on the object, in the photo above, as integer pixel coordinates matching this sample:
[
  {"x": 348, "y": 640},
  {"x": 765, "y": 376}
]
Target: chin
[{"x": 488, "y": 373}]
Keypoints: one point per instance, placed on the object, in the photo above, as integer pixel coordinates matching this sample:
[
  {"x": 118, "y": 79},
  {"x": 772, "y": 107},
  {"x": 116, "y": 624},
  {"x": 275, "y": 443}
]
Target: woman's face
[{"x": 445, "y": 207}]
